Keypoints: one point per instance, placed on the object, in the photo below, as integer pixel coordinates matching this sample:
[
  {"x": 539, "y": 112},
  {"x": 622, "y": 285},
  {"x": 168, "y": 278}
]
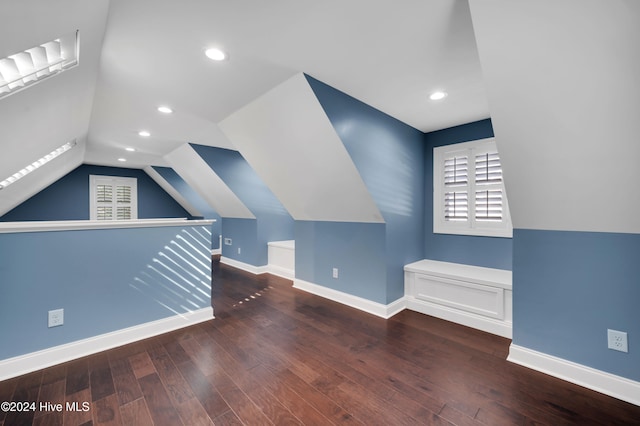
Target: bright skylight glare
[
  {"x": 165, "y": 109},
  {"x": 30, "y": 66},
  {"x": 216, "y": 54},
  {"x": 130, "y": 149},
  {"x": 144, "y": 133},
  {"x": 122, "y": 160},
  {"x": 36, "y": 164}
]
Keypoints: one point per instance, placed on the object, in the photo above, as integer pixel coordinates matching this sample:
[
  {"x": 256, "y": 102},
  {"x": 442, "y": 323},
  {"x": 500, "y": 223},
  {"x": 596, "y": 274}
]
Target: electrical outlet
[
  {"x": 56, "y": 317},
  {"x": 617, "y": 340},
  {"x": 227, "y": 241},
  {"x": 239, "y": 250},
  {"x": 335, "y": 273}
]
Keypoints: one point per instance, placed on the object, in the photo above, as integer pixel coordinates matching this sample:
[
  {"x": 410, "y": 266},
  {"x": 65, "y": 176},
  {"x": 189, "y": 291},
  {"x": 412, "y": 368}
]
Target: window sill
[{"x": 475, "y": 232}]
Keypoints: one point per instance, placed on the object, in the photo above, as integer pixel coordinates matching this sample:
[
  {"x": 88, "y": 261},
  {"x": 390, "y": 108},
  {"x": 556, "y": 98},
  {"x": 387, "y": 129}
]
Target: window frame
[
  {"x": 471, "y": 226},
  {"x": 95, "y": 180}
]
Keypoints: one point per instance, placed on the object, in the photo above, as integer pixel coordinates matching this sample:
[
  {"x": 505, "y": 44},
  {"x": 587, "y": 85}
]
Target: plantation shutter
[
  {"x": 123, "y": 202},
  {"x": 104, "y": 199},
  {"x": 489, "y": 197},
  {"x": 456, "y": 181},
  {"x": 113, "y": 198},
  {"x": 469, "y": 196}
]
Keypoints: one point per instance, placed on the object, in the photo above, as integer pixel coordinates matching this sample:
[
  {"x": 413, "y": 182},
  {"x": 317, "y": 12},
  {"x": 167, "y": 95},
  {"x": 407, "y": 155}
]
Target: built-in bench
[
  {"x": 470, "y": 295},
  {"x": 282, "y": 258}
]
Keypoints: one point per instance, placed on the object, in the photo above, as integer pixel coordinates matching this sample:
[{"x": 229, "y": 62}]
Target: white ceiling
[
  {"x": 57, "y": 110},
  {"x": 388, "y": 54}
]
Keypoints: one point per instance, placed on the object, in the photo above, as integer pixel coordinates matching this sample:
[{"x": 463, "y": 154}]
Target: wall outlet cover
[
  {"x": 617, "y": 340},
  {"x": 56, "y": 318}
]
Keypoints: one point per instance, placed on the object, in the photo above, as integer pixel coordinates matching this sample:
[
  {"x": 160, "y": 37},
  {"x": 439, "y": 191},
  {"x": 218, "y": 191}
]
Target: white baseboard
[
  {"x": 257, "y": 270},
  {"x": 599, "y": 381},
  {"x": 281, "y": 272},
  {"x": 216, "y": 251},
  {"x": 490, "y": 325},
  {"x": 16, "y": 366},
  {"x": 374, "y": 308}
]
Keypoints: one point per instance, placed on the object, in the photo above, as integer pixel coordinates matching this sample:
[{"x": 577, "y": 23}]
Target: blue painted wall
[
  {"x": 272, "y": 223},
  {"x": 195, "y": 200},
  {"x": 130, "y": 277},
  {"x": 490, "y": 252},
  {"x": 389, "y": 157},
  {"x": 68, "y": 198},
  {"x": 244, "y": 236},
  {"x": 569, "y": 288},
  {"x": 356, "y": 249}
]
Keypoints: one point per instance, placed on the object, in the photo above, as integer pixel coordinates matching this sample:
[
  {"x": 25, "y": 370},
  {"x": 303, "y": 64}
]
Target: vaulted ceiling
[
  {"x": 136, "y": 55},
  {"x": 153, "y": 54},
  {"x": 541, "y": 63}
]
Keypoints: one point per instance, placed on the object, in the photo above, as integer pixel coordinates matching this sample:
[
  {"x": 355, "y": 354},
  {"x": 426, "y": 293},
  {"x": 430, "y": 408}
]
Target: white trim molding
[
  {"x": 282, "y": 272},
  {"x": 374, "y": 308},
  {"x": 256, "y": 270},
  {"x": 76, "y": 225},
  {"x": 16, "y": 366},
  {"x": 597, "y": 380}
]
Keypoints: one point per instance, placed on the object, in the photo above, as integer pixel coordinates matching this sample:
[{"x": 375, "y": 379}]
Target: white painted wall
[
  {"x": 562, "y": 82},
  {"x": 289, "y": 141}
]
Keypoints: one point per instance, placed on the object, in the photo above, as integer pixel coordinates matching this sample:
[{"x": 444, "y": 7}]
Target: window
[
  {"x": 36, "y": 164},
  {"x": 469, "y": 197},
  {"x": 113, "y": 198},
  {"x": 23, "y": 69}
]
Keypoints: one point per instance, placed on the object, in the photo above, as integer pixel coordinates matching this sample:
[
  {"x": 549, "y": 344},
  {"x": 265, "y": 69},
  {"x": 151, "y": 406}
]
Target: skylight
[
  {"x": 31, "y": 66},
  {"x": 36, "y": 164}
]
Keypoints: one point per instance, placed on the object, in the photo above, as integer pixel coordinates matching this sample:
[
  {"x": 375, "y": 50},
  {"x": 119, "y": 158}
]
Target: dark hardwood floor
[{"x": 276, "y": 355}]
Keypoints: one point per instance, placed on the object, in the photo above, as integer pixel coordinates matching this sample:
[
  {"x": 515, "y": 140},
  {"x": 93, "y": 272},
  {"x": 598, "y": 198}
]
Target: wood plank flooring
[{"x": 276, "y": 355}]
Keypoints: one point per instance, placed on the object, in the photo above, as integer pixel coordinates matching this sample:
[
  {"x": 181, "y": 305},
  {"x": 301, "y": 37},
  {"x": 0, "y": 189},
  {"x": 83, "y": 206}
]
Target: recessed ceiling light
[
  {"x": 436, "y": 96},
  {"x": 215, "y": 54},
  {"x": 130, "y": 149},
  {"x": 144, "y": 133},
  {"x": 165, "y": 109},
  {"x": 122, "y": 160}
]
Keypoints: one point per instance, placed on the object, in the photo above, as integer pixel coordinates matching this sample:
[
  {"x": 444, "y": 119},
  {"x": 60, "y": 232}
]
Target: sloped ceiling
[
  {"x": 36, "y": 121},
  {"x": 172, "y": 191},
  {"x": 197, "y": 173},
  {"x": 388, "y": 55},
  {"x": 289, "y": 141},
  {"x": 562, "y": 82}
]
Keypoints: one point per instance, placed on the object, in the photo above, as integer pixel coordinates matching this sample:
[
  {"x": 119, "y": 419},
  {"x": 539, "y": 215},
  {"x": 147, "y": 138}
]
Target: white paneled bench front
[
  {"x": 474, "y": 296},
  {"x": 281, "y": 257}
]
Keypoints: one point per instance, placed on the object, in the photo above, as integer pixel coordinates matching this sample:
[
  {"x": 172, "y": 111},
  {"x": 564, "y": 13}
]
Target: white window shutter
[
  {"x": 489, "y": 205},
  {"x": 469, "y": 194},
  {"x": 456, "y": 206},
  {"x": 113, "y": 198},
  {"x": 456, "y": 171}
]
